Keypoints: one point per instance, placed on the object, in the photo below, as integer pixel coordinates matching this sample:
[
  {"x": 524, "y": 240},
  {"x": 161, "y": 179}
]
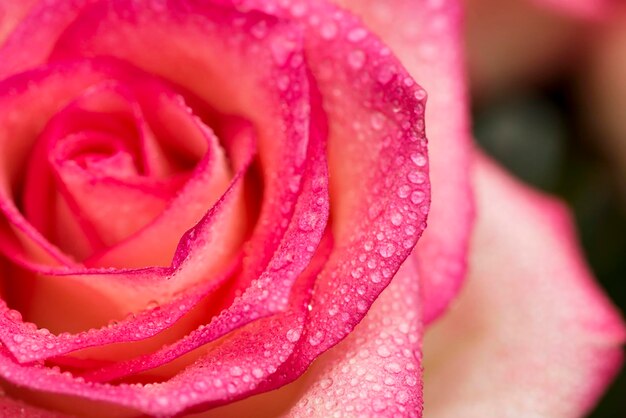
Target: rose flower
[{"x": 206, "y": 200}]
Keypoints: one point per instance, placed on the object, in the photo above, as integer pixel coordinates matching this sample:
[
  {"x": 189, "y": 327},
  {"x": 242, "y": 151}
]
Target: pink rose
[{"x": 233, "y": 183}]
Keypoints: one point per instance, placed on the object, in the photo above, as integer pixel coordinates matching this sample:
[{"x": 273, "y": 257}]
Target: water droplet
[
  {"x": 410, "y": 380},
  {"x": 293, "y": 335},
  {"x": 13, "y": 315},
  {"x": 283, "y": 82},
  {"x": 387, "y": 249},
  {"x": 417, "y": 196},
  {"x": 163, "y": 400},
  {"x": 236, "y": 371},
  {"x": 393, "y": 368},
  {"x": 410, "y": 230},
  {"x": 383, "y": 351},
  {"x": 357, "y": 34},
  {"x": 378, "y": 121},
  {"x": 316, "y": 338},
  {"x": 404, "y": 191},
  {"x": 402, "y": 397},
  {"x": 328, "y": 30},
  {"x": 396, "y": 218},
  {"x": 385, "y": 74},
  {"x": 419, "y": 159},
  {"x": 308, "y": 221},
  {"x": 420, "y": 94},
  {"x": 416, "y": 177},
  {"x": 362, "y": 305},
  {"x": 378, "y": 405},
  {"x": 357, "y": 273},
  {"x": 259, "y": 30},
  {"x": 326, "y": 383},
  {"x": 282, "y": 49},
  {"x": 356, "y": 59},
  {"x": 298, "y": 9}
]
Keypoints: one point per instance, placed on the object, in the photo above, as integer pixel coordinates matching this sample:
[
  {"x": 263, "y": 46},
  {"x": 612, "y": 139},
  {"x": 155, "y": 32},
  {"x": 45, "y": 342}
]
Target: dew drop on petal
[
  {"x": 383, "y": 351},
  {"x": 356, "y": 59},
  {"x": 328, "y": 30},
  {"x": 417, "y": 197},
  {"x": 357, "y": 34},
  {"x": 387, "y": 249},
  {"x": 293, "y": 335},
  {"x": 326, "y": 383}
]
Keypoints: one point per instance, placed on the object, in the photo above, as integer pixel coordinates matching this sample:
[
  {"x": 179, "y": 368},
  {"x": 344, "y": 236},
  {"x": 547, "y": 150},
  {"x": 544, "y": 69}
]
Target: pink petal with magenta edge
[
  {"x": 47, "y": 80},
  {"x": 220, "y": 374},
  {"x": 385, "y": 75},
  {"x": 318, "y": 185},
  {"x": 375, "y": 371},
  {"x": 279, "y": 160},
  {"x": 88, "y": 190},
  {"x": 345, "y": 289},
  {"x": 267, "y": 294},
  {"x": 531, "y": 334},
  {"x": 187, "y": 268},
  {"x": 427, "y": 37}
]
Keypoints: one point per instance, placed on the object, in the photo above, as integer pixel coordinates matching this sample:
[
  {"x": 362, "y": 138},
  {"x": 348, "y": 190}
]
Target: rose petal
[
  {"x": 208, "y": 181},
  {"x": 16, "y": 409},
  {"x": 11, "y": 14},
  {"x": 218, "y": 376},
  {"x": 375, "y": 371},
  {"x": 126, "y": 292},
  {"x": 532, "y": 335},
  {"x": 294, "y": 244},
  {"x": 391, "y": 231},
  {"x": 267, "y": 294},
  {"x": 426, "y": 36},
  {"x": 98, "y": 194},
  {"x": 30, "y": 42},
  {"x": 233, "y": 47}
]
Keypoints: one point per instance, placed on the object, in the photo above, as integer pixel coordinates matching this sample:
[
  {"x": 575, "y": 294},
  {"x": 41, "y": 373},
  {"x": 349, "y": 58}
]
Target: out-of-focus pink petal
[
  {"x": 16, "y": 409},
  {"x": 30, "y": 43},
  {"x": 11, "y": 14},
  {"x": 426, "y": 36},
  {"x": 531, "y": 335}
]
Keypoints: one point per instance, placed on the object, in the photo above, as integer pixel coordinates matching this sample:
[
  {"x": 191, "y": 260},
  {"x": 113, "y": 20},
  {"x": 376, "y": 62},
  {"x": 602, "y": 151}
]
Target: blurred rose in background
[{"x": 548, "y": 80}]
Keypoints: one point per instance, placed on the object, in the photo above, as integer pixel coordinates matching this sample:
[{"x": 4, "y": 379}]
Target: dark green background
[{"x": 537, "y": 134}]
